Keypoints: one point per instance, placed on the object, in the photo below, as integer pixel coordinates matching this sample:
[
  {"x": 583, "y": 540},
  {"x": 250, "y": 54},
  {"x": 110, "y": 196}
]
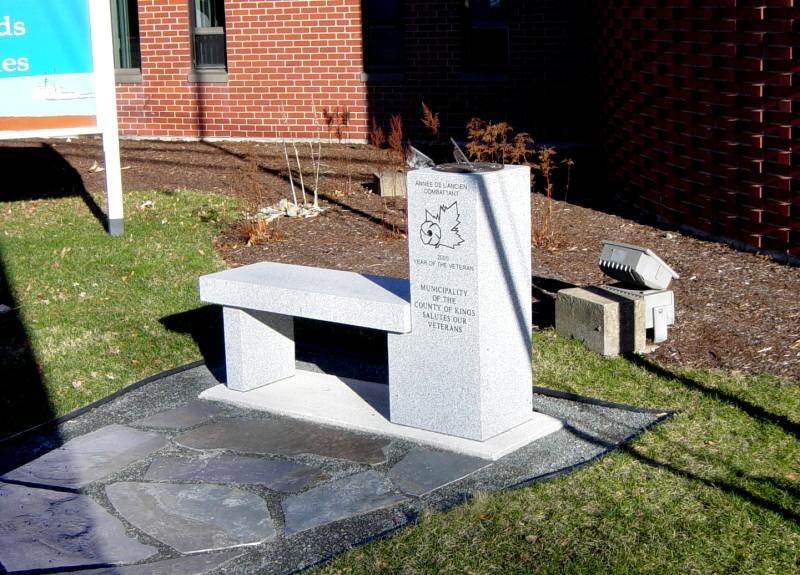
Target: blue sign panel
[
  {"x": 46, "y": 65},
  {"x": 40, "y": 37}
]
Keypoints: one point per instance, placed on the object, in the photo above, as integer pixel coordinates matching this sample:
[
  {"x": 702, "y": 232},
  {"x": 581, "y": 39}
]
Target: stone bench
[{"x": 260, "y": 301}]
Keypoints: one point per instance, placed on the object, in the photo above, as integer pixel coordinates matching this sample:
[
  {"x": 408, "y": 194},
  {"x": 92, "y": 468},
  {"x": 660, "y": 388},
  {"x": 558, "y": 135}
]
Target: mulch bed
[{"x": 737, "y": 311}]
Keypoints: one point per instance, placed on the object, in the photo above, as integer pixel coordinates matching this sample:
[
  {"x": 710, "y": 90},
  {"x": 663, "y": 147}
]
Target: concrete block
[
  {"x": 608, "y": 323},
  {"x": 391, "y": 183},
  {"x": 259, "y": 348},
  {"x": 470, "y": 269}
]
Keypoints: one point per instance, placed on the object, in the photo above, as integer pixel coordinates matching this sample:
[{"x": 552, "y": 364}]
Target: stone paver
[
  {"x": 278, "y": 475},
  {"x": 424, "y": 470},
  {"x": 191, "y": 565},
  {"x": 182, "y": 417},
  {"x": 89, "y": 457},
  {"x": 44, "y": 529},
  {"x": 322, "y": 517},
  {"x": 348, "y": 497},
  {"x": 196, "y": 517},
  {"x": 285, "y": 437}
]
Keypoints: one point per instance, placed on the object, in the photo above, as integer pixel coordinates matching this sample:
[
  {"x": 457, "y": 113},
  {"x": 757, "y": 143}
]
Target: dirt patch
[{"x": 735, "y": 310}]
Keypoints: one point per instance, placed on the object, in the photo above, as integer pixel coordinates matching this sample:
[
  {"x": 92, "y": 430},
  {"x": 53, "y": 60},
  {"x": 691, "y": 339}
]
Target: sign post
[{"x": 57, "y": 79}]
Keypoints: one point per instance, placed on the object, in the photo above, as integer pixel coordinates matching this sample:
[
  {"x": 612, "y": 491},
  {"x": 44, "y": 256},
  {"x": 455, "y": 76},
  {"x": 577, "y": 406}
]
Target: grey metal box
[{"x": 635, "y": 265}]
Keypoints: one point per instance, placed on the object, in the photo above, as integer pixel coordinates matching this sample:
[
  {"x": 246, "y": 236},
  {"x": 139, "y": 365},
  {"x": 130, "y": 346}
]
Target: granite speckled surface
[
  {"x": 469, "y": 257},
  {"x": 316, "y": 293},
  {"x": 259, "y": 348}
]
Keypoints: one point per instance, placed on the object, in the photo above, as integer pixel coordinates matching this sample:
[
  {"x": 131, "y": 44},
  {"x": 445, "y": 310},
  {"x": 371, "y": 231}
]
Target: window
[
  {"x": 125, "y": 23},
  {"x": 208, "y": 35},
  {"x": 383, "y": 35},
  {"x": 486, "y": 46}
]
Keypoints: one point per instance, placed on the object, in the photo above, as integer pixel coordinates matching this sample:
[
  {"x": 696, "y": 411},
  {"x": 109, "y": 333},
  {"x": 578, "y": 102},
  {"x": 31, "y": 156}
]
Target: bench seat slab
[
  {"x": 329, "y": 295},
  {"x": 259, "y": 348}
]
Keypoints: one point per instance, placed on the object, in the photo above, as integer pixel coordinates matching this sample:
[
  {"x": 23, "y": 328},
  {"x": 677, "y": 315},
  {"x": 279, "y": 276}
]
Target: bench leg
[{"x": 259, "y": 348}]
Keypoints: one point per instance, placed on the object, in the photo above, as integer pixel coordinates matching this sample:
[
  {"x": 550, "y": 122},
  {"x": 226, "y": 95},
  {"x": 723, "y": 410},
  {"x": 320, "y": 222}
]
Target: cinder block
[
  {"x": 607, "y": 323},
  {"x": 392, "y": 183}
]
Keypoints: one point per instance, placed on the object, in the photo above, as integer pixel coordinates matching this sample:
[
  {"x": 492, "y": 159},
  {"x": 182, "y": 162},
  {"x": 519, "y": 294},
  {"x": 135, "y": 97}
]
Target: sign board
[{"x": 57, "y": 78}]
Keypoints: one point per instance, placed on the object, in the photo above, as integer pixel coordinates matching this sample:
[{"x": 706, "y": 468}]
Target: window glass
[
  {"x": 383, "y": 34},
  {"x": 209, "y": 13},
  {"x": 381, "y": 10},
  {"x": 209, "y": 34},
  {"x": 486, "y": 38},
  {"x": 125, "y": 23}
]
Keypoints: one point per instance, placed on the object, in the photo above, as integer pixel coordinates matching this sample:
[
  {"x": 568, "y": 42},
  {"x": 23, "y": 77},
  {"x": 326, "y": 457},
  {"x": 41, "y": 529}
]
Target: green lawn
[
  {"x": 87, "y": 305},
  {"x": 716, "y": 489}
]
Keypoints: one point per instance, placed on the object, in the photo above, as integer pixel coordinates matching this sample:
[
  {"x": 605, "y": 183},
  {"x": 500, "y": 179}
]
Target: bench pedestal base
[
  {"x": 364, "y": 406},
  {"x": 259, "y": 348}
]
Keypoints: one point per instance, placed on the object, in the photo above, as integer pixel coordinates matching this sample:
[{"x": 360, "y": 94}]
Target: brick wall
[
  {"x": 284, "y": 58},
  {"x": 701, "y": 111},
  {"x": 697, "y": 101},
  {"x": 548, "y": 89}
]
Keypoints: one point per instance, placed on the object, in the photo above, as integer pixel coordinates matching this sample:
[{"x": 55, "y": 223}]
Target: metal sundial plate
[{"x": 473, "y": 168}]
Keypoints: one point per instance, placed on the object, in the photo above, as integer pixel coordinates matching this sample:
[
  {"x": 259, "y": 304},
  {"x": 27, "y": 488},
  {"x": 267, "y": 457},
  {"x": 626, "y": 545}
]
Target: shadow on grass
[
  {"x": 543, "y": 292},
  {"x": 755, "y": 411},
  {"x": 26, "y": 411},
  {"x": 730, "y": 479},
  {"x": 715, "y": 483},
  {"x": 722, "y": 485},
  {"x": 204, "y": 325},
  {"x": 34, "y": 173},
  {"x": 24, "y": 401},
  {"x": 42, "y": 173}
]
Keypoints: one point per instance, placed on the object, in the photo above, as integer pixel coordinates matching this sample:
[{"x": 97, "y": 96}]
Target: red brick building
[{"x": 691, "y": 106}]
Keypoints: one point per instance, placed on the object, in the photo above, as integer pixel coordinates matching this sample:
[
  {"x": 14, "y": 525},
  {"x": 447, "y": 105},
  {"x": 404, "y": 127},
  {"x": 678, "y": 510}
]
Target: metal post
[{"x": 105, "y": 88}]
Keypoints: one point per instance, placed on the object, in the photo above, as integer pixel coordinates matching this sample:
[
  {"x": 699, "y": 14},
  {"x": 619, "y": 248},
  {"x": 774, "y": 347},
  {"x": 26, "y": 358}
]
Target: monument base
[{"x": 364, "y": 406}]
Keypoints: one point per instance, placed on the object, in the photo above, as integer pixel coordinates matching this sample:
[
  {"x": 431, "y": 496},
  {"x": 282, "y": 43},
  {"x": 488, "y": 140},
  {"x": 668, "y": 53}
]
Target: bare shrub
[
  {"x": 489, "y": 142},
  {"x": 338, "y": 124},
  {"x": 543, "y": 229},
  {"x": 430, "y": 120},
  {"x": 396, "y": 135},
  {"x": 377, "y": 137},
  {"x": 257, "y": 231},
  {"x": 252, "y": 180}
]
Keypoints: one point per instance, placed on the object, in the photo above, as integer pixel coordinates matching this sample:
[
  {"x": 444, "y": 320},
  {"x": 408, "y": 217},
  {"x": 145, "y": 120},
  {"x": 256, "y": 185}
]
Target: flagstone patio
[{"x": 156, "y": 481}]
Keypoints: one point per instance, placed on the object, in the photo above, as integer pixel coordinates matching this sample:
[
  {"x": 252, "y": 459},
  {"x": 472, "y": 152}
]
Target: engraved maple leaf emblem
[{"x": 441, "y": 230}]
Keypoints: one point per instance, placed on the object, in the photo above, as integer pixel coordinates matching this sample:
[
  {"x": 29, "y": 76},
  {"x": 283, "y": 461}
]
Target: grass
[
  {"x": 716, "y": 489},
  {"x": 89, "y": 307}
]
